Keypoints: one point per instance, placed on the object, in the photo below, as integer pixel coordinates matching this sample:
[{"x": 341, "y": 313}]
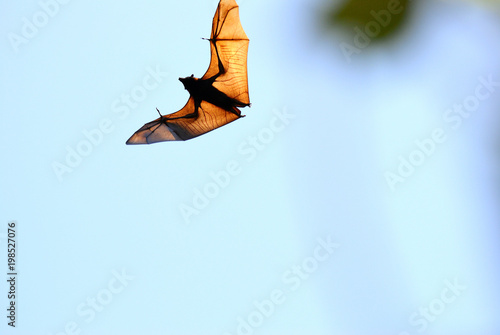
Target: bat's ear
[
  {"x": 183, "y": 80},
  {"x": 188, "y": 82}
]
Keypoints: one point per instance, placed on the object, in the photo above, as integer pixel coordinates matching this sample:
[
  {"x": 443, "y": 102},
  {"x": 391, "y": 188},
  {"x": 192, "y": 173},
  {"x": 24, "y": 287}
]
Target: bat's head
[{"x": 188, "y": 82}]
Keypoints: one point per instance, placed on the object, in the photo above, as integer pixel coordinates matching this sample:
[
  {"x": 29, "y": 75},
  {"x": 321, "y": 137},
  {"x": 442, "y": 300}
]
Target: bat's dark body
[
  {"x": 203, "y": 90},
  {"x": 214, "y": 98}
]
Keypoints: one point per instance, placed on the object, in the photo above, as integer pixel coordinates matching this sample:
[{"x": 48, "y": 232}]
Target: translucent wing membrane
[
  {"x": 168, "y": 128},
  {"x": 229, "y": 45}
]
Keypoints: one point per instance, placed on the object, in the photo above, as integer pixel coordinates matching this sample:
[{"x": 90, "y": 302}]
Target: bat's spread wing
[
  {"x": 152, "y": 132},
  {"x": 229, "y": 48},
  {"x": 215, "y": 97},
  {"x": 177, "y": 127},
  {"x": 210, "y": 117}
]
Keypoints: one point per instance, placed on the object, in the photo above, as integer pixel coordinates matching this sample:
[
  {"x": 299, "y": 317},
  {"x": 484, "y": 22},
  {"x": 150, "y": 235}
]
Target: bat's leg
[
  {"x": 236, "y": 111},
  {"x": 234, "y": 108}
]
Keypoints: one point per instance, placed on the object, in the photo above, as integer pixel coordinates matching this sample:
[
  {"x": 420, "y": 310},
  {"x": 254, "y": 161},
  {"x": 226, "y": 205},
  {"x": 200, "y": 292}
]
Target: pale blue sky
[{"x": 112, "y": 229}]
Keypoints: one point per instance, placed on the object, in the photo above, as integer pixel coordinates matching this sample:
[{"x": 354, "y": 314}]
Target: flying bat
[{"x": 215, "y": 97}]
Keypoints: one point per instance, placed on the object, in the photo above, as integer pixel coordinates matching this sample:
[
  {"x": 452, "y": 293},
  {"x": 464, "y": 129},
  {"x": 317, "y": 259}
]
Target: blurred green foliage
[{"x": 383, "y": 17}]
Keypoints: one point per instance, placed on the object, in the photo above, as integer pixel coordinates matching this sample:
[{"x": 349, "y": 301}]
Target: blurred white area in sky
[{"x": 321, "y": 175}]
